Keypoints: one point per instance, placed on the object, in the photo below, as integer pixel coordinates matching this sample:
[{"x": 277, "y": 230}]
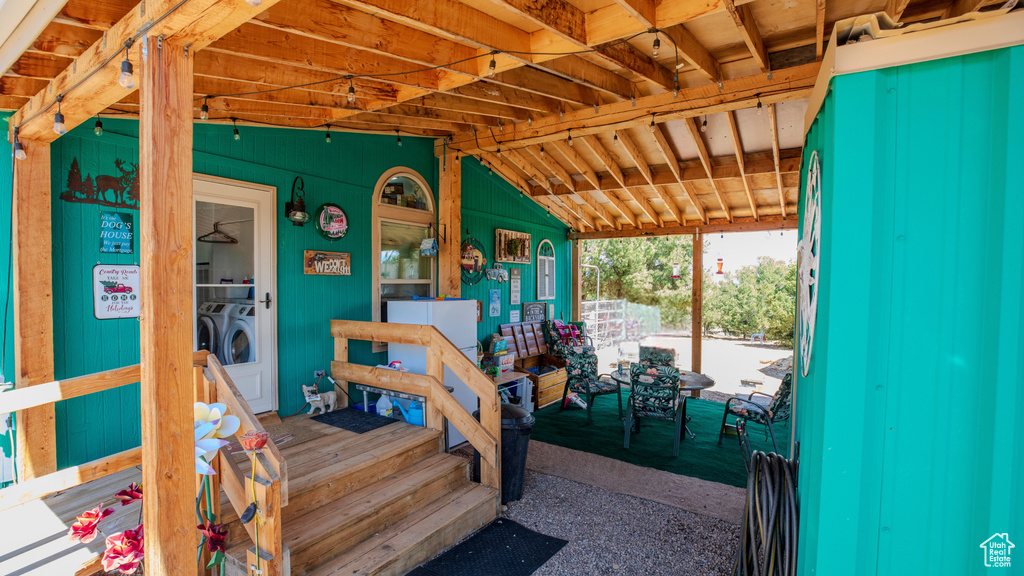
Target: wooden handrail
[
  {"x": 485, "y": 435},
  {"x": 68, "y": 478}
]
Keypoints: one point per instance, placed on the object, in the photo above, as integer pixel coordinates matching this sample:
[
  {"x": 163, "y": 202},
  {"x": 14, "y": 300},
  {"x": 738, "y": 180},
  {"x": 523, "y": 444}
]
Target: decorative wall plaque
[
  {"x": 116, "y": 232},
  {"x": 115, "y": 291},
  {"x": 512, "y": 246},
  {"x": 330, "y": 221},
  {"x": 114, "y": 190},
  {"x": 809, "y": 252},
  {"x": 322, "y": 263}
]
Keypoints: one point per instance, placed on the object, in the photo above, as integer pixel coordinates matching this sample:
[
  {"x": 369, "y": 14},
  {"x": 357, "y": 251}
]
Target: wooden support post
[
  {"x": 33, "y": 308},
  {"x": 433, "y": 417},
  {"x": 341, "y": 355},
  {"x": 165, "y": 155},
  {"x": 577, "y": 281},
  {"x": 697, "y": 306},
  {"x": 449, "y": 240}
]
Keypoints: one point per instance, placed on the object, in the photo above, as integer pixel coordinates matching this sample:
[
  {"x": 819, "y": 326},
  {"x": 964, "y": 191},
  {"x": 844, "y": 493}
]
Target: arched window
[
  {"x": 545, "y": 270},
  {"x": 403, "y": 214}
]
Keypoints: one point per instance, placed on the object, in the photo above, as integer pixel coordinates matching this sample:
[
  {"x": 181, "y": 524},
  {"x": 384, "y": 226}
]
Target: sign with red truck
[{"x": 115, "y": 291}]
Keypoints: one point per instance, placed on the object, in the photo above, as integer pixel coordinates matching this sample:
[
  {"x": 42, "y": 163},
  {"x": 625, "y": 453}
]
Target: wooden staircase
[{"x": 381, "y": 502}]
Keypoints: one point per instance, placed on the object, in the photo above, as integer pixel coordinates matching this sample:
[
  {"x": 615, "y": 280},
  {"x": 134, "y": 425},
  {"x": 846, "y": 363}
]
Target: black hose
[{"x": 768, "y": 542}]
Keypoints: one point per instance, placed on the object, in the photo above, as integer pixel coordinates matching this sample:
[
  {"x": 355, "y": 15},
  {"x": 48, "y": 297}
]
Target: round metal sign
[
  {"x": 330, "y": 221},
  {"x": 808, "y": 269},
  {"x": 473, "y": 261}
]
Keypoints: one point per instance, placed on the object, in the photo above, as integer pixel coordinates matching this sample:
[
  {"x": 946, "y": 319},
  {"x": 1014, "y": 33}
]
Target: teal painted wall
[
  {"x": 910, "y": 421},
  {"x": 6, "y": 191},
  {"x": 488, "y": 203}
]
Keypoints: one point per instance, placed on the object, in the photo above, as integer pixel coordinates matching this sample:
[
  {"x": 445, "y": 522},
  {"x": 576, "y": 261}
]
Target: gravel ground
[{"x": 616, "y": 534}]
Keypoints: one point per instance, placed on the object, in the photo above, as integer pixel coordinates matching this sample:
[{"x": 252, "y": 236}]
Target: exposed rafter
[
  {"x": 895, "y": 8},
  {"x": 581, "y": 167},
  {"x": 744, "y": 20},
  {"x": 705, "y": 159},
  {"x": 504, "y": 169},
  {"x": 737, "y": 146},
  {"x": 773, "y": 122},
  {"x": 641, "y": 163},
  {"x": 673, "y": 164},
  {"x": 695, "y": 53},
  {"x": 609, "y": 164},
  {"x": 545, "y": 159},
  {"x": 819, "y": 29}
]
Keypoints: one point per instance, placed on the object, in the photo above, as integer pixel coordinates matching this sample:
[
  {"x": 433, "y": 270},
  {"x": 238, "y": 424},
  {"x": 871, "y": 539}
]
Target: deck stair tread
[{"x": 419, "y": 537}]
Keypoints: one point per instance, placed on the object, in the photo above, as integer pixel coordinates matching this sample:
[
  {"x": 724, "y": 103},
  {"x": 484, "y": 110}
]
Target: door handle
[{"x": 267, "y": 301}]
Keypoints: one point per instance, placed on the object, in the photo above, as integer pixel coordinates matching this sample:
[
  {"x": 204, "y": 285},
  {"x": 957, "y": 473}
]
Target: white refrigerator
[{"x": 456, "y": 319}]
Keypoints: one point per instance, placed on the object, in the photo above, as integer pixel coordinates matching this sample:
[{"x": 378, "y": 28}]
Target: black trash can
[{"x": 516, "y": 426}]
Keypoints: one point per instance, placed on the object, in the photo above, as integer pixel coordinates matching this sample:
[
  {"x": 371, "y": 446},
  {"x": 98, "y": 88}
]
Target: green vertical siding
[
  {"x": 909, "y": 422},
  {"x": 6, "y": 191},
  {"x": 488, "y": 203}
]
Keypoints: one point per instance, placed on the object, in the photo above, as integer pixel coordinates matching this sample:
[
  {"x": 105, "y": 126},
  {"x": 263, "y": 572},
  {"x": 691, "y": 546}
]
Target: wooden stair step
[
  {"x": 419, "y": 537},
  {"x": 338, "y": 525}
]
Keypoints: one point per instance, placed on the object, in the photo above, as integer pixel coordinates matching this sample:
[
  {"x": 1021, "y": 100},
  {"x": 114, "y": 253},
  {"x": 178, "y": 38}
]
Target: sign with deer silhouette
[{"x": 115, "y": 190}]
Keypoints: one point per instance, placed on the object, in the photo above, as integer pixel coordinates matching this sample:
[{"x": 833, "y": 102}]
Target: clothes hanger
[{"x": 217, "y": 236}]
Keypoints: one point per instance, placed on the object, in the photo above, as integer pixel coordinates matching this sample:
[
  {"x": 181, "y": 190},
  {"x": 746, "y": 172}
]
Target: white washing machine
[
  {"x": 239, "y": 344},
  {"x": 211, "y": 323}
]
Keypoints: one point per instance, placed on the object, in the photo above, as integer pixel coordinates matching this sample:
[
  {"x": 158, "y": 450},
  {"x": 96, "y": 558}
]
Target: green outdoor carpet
[{"x": 702, "y": 457}]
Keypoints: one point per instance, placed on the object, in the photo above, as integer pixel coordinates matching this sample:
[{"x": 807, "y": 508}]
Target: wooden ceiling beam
[
  {"x": 744, "y": 20},
  {"x": 641, "y": 163},
  {"x": 958, "y": 8},
  {"x": 535, "y": 104},
  {"x": 193, "y": 23},
  {"x": 99, "y": 15},
  {"x": 787, "y": 84},
  {"x": 643, "y": 11},
  {"x": 502, "y": 167},
  {"x": 204, "y": 85},
  {"x": 737, "y": 146},
  {"x": 21, "y": 86},
  {"x": 705, "y": 159},
  {"x": 445, "y": 101},
  {"x": 624, "y": 55},
  {"x": 773, "y": 123},
  {"x": 540, "y": 157},
  {"x": 895, "y": 8},
  {"x": 403, "y": 120},
  {"x": 526, "y": 161},
  {"x": 547, "y": 84},
  {"x": 12, "y": 102},
  {"x": 673, "y": 164},
  {"x": 606, "y": 160},
  {"x": 39, "y": 66},
  {"x": 614, "y": 22},
  {"x": 444, "y": 115},
  {"x": 65, "y": 40},
  {"x": 819, "y": 29},
  {"x": 580, "y": 165},
  {"x": 591, "y": 75},
  {"x": 714, "y": 227},
  {"x": 695, "y": 53}
]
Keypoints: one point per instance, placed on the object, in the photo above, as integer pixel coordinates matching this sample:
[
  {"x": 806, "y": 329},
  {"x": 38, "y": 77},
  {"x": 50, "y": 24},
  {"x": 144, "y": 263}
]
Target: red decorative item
[
  {"x": 254, "y": 440},
  {"x": 720, "y": 263},
  {"x": 132, "y": 493},
  {"x": 124, "y": 551},
  {"x": 84, "y": 529},
  {"x": 215, "y": 535}
]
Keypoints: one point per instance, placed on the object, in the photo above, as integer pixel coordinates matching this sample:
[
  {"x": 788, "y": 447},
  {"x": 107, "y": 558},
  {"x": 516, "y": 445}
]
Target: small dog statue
[{"x": 319, "y": 399}]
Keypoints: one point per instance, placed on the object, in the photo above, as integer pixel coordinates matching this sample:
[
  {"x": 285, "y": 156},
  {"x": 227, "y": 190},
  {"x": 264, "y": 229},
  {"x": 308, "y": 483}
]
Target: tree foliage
[{"x": 742, "y": 303}]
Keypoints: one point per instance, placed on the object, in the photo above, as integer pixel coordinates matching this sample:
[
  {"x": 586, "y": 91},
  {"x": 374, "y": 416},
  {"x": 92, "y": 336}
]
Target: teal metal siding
[
  {"x": 910, "y": 421},
  {"x": 488, "y": 203},
  {"x": 6, "y": 183}
]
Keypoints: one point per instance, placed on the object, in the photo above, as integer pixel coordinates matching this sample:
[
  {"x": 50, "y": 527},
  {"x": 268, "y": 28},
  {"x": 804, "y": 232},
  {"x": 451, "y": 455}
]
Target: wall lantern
[
  {"x": 720, "y": 263},
  {"x": 675, "y": 270},
  {"x": 295, "y": 210}
]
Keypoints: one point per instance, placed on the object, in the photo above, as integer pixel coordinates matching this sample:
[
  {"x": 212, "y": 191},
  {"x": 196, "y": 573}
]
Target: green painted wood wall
[
  {"x": 910, "y": 422},
  {"x": 488, "y": 203}
]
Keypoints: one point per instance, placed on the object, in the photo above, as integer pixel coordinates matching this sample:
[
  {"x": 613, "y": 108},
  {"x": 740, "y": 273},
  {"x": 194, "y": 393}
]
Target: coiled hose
[{"x": 769, "y": 538}]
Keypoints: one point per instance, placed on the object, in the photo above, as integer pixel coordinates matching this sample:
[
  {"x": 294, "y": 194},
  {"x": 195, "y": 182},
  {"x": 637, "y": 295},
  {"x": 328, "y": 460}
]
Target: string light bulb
[
  {"x": 98, "y": 129},
  {"x": 529, "y": 121},
  {"x": 235, "y": 124},
  {"x": 126, "y": 80},
  {"x": 652, "y": 126},
  {"x": 399, "y": 138},
  {"x": 615, "y": 139},
  {"x": 351, "y": 91},
  {"x": 675, "y": 85},
  {"x": 499, "y": 150},
  {"x": 491, "y": 67},
  {"x": 327, "y": 136},
  {"x": 254, "y": 3},
  {"x": 704, "y": 125},
  {"x": 58, "y": 120},
  {"x": 204, "y": 110},
  {"x": 760, "y": 107},
  {"x": 456, "y": 159},
  {"x": 541, "y": 150},
  {"x": 19, "y": 150},
  {"x": 656, "y": 50},
  {"x": 570, "y": 138}
]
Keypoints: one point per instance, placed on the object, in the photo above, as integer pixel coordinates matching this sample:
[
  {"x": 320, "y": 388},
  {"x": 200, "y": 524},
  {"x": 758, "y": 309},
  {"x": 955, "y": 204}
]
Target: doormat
[
  {"x": 503, "y": 548},
  {"x": 353, "y": 420}
]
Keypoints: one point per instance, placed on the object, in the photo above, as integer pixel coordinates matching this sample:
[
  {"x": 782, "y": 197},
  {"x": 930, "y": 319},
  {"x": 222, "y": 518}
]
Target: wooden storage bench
[{"x": 526, "y": 340}]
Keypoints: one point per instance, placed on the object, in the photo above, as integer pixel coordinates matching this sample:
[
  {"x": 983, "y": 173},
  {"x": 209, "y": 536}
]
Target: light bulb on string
[
  {"x": 327, "y": 136},
  {"x": 704, "y": 125},
  {"x": 570, "y": 138},
  {"x": 491, "y": 67},
  {"x": 235, "y": 124},
  {"x": 98, "y": 128},
  {"x": 615, "y": 139},
  {"x": 351, "y": 91},
  {"x": 760, "y": 107},
  {"x": 499, "y": 150},
  {"x": 652, "y": 126},
  {"x": 399, "y": 135},
  {"x": 204, "y": 110},
  {"x": 456, "y": 159},
  {"x": 58, "y": 119},
  {"x": 541, "y": 150},
  {"x": 656, "y": 49},
  {"x": 19, "y": 150},
  {"x": 675, "y": 85},
  {"x": 254, "y": 3},
  {"x": 126, "y": 79}
]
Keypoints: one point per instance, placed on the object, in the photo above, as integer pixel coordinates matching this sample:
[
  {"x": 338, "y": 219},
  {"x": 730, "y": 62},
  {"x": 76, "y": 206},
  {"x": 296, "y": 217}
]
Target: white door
[{"x": 235, "y": 283}]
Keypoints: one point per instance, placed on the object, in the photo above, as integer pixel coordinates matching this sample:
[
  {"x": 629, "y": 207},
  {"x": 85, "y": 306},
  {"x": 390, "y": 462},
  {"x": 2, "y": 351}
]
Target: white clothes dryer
[{"x": 239, "y": 344}]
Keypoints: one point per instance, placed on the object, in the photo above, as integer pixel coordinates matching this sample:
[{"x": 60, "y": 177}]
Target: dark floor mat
[
  {"x": 353, "y": 420},
  {"x": 503, "y": 548}
]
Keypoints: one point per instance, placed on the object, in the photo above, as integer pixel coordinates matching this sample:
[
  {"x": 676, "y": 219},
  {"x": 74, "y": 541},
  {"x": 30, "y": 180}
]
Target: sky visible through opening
[{"x": 739, "y": 249}]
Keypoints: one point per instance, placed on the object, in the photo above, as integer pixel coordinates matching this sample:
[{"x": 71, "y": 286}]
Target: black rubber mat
[
  {"x": 503, "y": 548},
  {"x": 353, "y": 420}
]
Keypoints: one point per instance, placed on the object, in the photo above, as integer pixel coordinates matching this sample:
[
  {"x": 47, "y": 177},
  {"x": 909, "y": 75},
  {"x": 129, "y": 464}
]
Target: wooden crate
[{"x": 547, "y": 388}]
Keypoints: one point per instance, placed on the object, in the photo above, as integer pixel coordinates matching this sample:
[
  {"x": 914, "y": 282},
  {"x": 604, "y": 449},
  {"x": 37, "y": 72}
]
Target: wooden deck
[{"x": 380, "y": 502}]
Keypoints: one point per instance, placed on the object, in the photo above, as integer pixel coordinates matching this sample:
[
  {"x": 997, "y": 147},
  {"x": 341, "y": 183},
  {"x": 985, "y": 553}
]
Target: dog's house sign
[{"x": 115, "y": 291}]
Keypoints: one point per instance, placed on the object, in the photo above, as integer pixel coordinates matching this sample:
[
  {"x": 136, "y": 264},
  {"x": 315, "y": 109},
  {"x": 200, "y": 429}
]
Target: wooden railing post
[
  {"x": 264, "y": 489},
  {"x": 206, "y": 392},
  {"x": 341, "y": 355},
  {"x": 433, "y": 416}
]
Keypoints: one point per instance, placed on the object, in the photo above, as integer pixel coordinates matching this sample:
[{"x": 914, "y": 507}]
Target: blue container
[{"x": 372, "y": 410}]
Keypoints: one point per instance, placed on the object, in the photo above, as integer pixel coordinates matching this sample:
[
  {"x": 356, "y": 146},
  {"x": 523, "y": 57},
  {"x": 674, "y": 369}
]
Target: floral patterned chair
[
  {"x": 763, "y": 409},
  {"x": 655, "y": 394},
  {"x": 581, "y": 371},
  {"x": 652, "y": 355}
]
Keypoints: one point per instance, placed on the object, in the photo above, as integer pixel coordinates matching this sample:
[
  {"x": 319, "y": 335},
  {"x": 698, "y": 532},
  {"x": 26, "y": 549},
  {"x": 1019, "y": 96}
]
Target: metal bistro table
[{"x": 688, "y": 382}]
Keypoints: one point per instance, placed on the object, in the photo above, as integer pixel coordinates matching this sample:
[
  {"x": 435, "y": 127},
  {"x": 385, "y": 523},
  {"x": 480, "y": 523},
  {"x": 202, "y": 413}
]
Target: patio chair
[
  {"x": 581, "y": 374},
  {"x": 762, "y": 408},
  {"x": 652, "y": 355},
  {"x": 654, "y": 394},
  {"x": 758, "y": 336}
]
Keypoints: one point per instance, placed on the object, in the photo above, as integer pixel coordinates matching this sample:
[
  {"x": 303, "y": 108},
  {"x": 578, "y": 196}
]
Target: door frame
[{"x": 271, "y": 286}]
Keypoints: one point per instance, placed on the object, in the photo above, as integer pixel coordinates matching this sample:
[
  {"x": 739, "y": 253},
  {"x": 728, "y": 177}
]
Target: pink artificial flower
[
  {"x": 133, "y": 493},
  {"x": 215, "y": 535},
  {"x": 253, "y": 440},
  {"x": 84, "y": 529},
  {"x": 124, "y": 551}
]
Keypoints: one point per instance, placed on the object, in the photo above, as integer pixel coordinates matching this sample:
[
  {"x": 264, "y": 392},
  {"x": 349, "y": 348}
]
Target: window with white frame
[
  {"x": 545, "y": 270},
  {"x": 403, "y": 215}
]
